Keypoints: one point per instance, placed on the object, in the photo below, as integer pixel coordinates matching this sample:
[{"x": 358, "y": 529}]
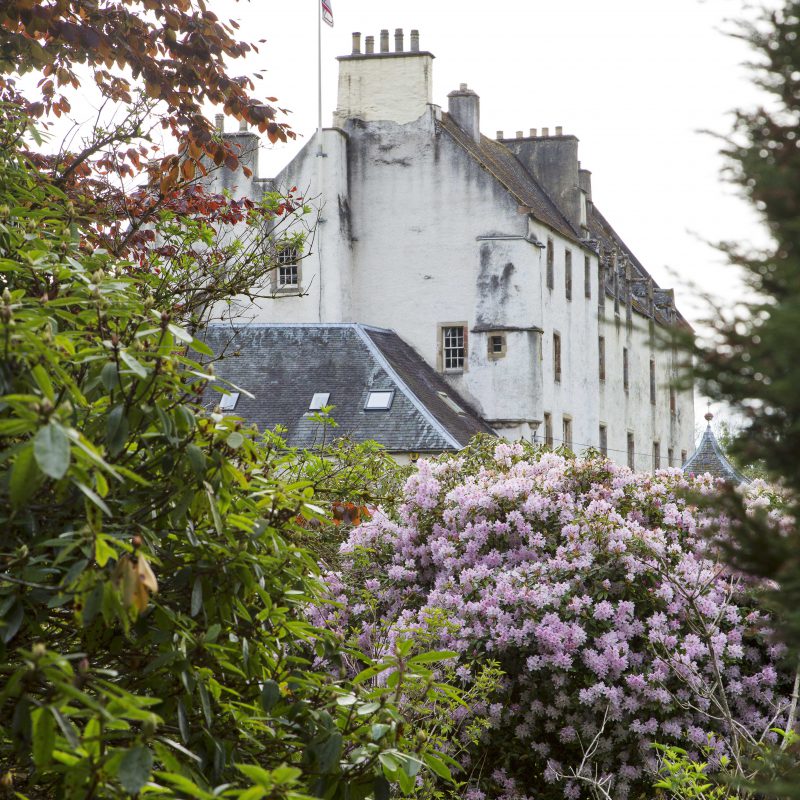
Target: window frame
[
  {"x": 626, "y": 370},
  {"x": 568, "y": 275},
  {"x": 631, "y": 450},
  {"x": 603, "y": 439},
  {"x": 587, "y": 277},
  {"x": 557, "y": 366},
  {"x": 288, "y": 257},
  {"x": 601, "y": 357},
  {"x": 318, "y": 405},
  {"x": 566, "y": 430},
  {"x": 491, "y": 353},
  {"x": 548, "y": 429},
  {"x": 551, "y": 264},
  {"x": 386, "y": 407},
  {"x": 656, "y": 455},
  {"x": 442, "y": 348},
  {"x": 652, "y": 381}
]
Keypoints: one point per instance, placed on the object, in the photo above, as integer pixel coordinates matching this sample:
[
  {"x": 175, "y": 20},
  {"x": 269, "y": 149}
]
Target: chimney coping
[
  {"x": 463, "y": 91},
  {"x": 375, "y": 56},
  {"x": 550, "y": 136}
]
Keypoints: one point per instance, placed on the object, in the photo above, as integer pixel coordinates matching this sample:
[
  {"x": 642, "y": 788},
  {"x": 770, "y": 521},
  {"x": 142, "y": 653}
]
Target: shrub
[
  {"x": 593, "y": 588},
  {"x": 154, "y": 588}
]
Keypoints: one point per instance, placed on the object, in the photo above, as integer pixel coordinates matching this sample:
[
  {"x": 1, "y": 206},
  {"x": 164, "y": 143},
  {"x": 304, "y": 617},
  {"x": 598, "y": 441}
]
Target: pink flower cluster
[{"x": 596, "y": 592}]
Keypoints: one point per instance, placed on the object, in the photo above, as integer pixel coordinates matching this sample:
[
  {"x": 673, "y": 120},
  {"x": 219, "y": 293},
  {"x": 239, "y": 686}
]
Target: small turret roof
[{"x": 708, "y": 457}]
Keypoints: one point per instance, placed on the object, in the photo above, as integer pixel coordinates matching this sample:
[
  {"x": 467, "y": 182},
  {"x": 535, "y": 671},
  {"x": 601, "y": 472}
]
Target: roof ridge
[
  {"x": 295, "y": 325},
  {"x": 401, "y": 384}
]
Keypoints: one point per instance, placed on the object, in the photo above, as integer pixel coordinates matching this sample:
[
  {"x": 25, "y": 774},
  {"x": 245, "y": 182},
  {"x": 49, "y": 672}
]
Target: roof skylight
[
  {"x": 319, "y": 400},
  {"x": 451, "y": 403},
  {"x": 379, "y": 401},
  {"x": 228, "y": 401}
]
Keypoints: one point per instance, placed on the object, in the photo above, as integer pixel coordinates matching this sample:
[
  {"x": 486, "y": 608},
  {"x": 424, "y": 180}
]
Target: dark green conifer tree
[{"x": 753, "y": 364}]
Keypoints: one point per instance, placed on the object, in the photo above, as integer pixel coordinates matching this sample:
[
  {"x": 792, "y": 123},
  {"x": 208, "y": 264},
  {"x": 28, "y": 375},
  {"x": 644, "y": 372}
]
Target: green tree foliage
[
  {"x": 151, "y": 68},
  {"x": 154, "y": 634},
  {"x": 753, "y": 364}
]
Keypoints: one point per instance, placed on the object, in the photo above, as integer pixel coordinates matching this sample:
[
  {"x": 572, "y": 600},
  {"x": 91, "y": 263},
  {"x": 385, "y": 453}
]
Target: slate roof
[
  {"x": 284, "y": 365},
  {"x": 609, "y": 240},
  {"x": 500, "y": 162},
  {"x": 709, "y": 458}
]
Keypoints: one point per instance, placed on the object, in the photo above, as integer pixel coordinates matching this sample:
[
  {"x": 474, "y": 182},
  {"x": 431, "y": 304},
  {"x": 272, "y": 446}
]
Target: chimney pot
[
  {"x": 519, "y": 134},
  {"x": 219, "y": 122},
  {"x": 499, "y": 134},
  {"x": 545, "y": 131},
  {"x": 559, "y": 130},
  {"x": 398, "y": 40},
  {"x": 356, "y": 43},
  {"x": 370, "y": 45},
  {"x": 385, "y": 40},
  {"x": 415, "y": 41},
  {"x": 533, "y": 131}
]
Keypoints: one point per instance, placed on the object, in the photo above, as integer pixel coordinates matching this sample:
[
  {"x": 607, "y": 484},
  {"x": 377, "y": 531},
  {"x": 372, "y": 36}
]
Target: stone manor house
[{"x": 455, "y": 281}]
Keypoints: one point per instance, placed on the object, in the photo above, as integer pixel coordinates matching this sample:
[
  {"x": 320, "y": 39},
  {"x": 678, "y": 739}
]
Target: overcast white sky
[{"x": 635, "y": 80}]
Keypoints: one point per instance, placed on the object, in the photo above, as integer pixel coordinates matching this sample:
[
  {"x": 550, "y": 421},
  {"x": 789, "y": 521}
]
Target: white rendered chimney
[{"x": 385, "y": 86}]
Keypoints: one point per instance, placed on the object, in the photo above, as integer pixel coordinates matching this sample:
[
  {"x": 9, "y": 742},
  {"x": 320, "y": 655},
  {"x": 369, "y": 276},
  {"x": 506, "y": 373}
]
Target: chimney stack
[
  {"x": 396, "y": 88},
  {"x": 499, "y": 135},
  {"x": 533, "y": 132},
  {"x": 219, "y": 122},
  {"x": 559, "y": 130},
  {"x": 464, "y": 106},
  {"x": 519, "y": 134},
  {"x": 545, "y": 131},
  {"x": 585, "y": 181},
  {"x": 242, "y": 126}
]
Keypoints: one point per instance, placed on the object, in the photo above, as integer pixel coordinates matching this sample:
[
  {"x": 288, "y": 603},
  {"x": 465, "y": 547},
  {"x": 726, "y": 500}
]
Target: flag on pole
[{"x": 327, "y": 12}]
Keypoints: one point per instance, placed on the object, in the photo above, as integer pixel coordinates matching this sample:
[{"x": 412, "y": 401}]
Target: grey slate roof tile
[
  {"x": 500, "y": 162},
  {"x": 709, "y": 458},
  {"x": 284, "y": 365}
]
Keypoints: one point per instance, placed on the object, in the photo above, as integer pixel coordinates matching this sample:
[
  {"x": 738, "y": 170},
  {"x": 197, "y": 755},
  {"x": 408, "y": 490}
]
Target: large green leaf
[
  {"x": 25, "y": 476},
  {"x": 43, "y": 726},
  {"x": 116, "y": 429},
  {"x": 134, "y": 769},
  {"x": 51, "y": 448}
]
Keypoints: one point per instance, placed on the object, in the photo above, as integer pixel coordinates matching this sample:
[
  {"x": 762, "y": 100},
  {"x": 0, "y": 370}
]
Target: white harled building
[{"x": 487, "y": 255}]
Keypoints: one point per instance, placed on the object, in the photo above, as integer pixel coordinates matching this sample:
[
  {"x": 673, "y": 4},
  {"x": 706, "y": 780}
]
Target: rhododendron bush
[{"x": 596, "y": 591}]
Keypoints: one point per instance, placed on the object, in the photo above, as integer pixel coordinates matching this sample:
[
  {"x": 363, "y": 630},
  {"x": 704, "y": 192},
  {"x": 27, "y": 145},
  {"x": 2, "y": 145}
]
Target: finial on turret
[{"x": 709, "y": 416}]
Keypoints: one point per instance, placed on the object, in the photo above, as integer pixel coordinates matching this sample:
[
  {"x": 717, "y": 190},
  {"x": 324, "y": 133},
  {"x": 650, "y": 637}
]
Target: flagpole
[
  {"x": 319, "y": 71},
  {"x": 319, "y": 152}
]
